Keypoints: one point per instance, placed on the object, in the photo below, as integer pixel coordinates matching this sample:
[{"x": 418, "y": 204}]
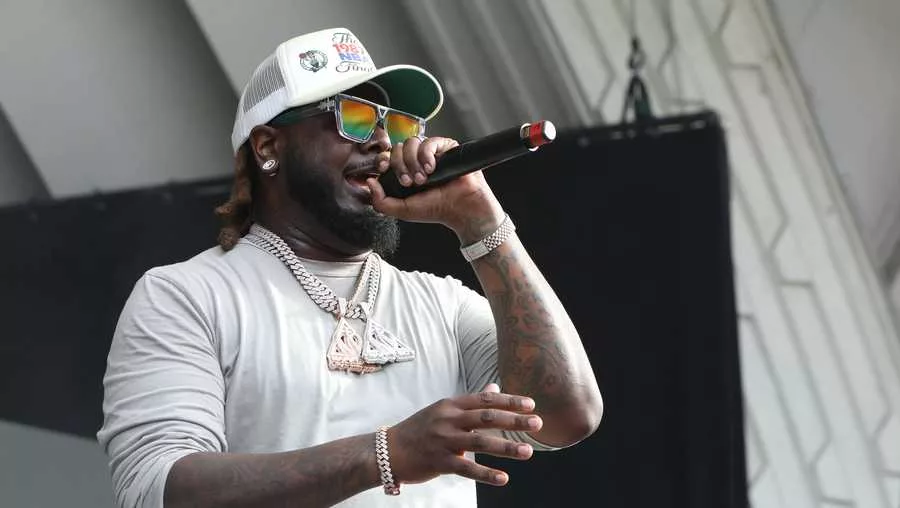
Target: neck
[{"x": 309, "y": 239}]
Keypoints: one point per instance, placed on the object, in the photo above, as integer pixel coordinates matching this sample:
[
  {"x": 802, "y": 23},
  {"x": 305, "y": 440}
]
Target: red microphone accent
[{"x": 536, "y": 134}]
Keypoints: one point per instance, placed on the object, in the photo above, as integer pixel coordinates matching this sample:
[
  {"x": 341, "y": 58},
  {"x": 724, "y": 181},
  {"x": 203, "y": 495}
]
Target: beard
[{"x": 365, "y": 229}]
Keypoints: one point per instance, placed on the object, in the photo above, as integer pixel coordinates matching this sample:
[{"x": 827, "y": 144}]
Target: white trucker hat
[{"x": 311, "y": 67}]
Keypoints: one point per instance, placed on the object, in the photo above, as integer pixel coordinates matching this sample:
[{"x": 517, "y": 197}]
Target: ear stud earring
[{"x": 270, "y": 167}]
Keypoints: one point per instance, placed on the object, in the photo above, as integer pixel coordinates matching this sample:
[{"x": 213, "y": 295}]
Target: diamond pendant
[
  {"x": 381, "y": 346},
  {"x": 344, "y": 350}
]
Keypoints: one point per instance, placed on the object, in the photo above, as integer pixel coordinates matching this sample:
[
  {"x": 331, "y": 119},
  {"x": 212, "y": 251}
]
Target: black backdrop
[{"x": 630, "y": 225}]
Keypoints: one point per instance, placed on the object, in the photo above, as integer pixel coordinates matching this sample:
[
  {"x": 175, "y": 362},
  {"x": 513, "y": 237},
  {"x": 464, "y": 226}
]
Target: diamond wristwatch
[{"x": 484, "y": 246}]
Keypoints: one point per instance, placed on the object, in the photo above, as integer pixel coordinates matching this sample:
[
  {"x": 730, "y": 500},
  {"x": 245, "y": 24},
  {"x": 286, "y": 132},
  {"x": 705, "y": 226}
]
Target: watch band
[{"x": 484, "y": 246}]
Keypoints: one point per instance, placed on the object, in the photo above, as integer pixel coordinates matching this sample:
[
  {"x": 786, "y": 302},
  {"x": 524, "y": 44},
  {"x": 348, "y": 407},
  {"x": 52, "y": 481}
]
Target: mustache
[{"x": 370, "y": 164}]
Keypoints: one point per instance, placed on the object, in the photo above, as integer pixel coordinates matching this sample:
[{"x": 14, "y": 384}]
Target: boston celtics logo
[{"x": 313, "y": 60}]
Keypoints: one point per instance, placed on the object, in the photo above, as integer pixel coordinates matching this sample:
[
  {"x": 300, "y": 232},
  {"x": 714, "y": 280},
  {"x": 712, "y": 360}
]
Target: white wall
[
  {"x": 108, "y": 95},
  {"x": 894, "y": 294},
  {"x": 43, "y": 469},
  {"x": 848, "y": 57}
]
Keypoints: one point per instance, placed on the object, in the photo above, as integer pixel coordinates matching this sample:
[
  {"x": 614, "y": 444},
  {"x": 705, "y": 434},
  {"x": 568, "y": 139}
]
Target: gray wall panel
[
  {"x": 108, "y": 95},
  {"x": 19, "y": 180},
  {"x": 43, "y": 469}
]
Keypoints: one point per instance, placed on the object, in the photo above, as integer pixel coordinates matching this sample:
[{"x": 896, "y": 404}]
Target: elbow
[
  {"x": 575, "y": 424},
  {"x": 587, "y": 420}
]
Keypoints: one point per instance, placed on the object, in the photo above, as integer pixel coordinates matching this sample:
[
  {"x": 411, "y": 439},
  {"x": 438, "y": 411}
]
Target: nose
[{"x": 379, "y": 142}]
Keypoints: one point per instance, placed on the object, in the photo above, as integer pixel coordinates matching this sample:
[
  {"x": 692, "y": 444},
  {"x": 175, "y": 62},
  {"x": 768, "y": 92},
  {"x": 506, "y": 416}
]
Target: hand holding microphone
[
  {"x": 462, "y": 202},
  {"x": 476, "y": 155}
]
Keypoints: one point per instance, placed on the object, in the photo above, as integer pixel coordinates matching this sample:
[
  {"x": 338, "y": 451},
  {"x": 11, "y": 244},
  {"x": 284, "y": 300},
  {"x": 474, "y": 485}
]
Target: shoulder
[
  {"x": 211, "y": 262},
  {"x": 184, "y": 272},
  {"x": 210, "y": 271},
  {"x": 205, "y": 287}
]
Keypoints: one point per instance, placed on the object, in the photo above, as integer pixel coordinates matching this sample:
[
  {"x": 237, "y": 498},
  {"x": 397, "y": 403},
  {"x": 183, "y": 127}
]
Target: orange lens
[
  {"x": 401, "y": 127},
  {"x": 358, "y": 120}
]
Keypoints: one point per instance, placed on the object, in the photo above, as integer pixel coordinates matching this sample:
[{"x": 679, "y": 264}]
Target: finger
[
  {"x": 378, "y": 194},
  {"x": 399, "y": 165},
  {"x": 411, "y": 159},
  {"x": 383, "y": 161},
  {"x": 432, "y": 150},
  {"x": 387, "y": 205},
  {"x": 497, "y": 400},
  {"x": 498, "y": 419},
  {"x": 492, "y": 388},
  {"x": 470, "y": 469},
  {"x": 427, "y": 154},
  {"x": 479, "y": 442}
]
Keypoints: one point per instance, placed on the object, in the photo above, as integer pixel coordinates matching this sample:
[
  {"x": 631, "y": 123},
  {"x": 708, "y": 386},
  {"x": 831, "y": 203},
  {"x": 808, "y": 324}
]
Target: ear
[{"x": 266, "y": 143}]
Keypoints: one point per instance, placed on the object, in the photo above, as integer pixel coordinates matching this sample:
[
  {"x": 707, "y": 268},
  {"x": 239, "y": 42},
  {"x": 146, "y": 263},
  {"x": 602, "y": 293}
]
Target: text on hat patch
[{"x": 352, "y": 54}]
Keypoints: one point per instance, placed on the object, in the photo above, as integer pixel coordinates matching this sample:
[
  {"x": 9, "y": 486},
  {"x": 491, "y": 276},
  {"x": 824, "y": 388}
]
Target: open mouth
[
  {"x": 359, "y": 179},
  {"x": 357, "y": 176}
]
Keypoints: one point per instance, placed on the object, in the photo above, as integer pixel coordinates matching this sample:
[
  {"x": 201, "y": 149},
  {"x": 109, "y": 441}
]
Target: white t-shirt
[{"x": 226, "y": 352}]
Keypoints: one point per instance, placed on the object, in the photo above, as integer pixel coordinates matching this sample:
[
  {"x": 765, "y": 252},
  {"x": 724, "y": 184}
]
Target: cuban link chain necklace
[{"x": 347, "y": 351}]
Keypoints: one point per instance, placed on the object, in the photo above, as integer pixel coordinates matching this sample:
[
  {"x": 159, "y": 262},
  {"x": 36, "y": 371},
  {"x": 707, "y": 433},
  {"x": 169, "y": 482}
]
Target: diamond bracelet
[{"x": 391, "y": 488}]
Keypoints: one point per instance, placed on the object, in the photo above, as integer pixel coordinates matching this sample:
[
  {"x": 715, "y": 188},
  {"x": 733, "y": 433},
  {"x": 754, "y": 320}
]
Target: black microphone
[{"x": 476, "y": 154}]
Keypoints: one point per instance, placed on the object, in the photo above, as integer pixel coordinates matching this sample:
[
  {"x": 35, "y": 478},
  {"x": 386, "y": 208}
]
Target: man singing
[{"x": 292, "y": 365}]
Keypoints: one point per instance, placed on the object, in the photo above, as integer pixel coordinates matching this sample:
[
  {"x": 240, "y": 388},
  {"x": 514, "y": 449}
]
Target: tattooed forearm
[
  {"x": 540, "y": 352},
  {"x": 319, "y": 476},
  {"x": 531, "y": 361}
]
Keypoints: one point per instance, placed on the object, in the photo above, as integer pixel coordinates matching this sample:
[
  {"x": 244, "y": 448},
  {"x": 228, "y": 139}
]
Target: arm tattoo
[{"x": 532, "y": 328}]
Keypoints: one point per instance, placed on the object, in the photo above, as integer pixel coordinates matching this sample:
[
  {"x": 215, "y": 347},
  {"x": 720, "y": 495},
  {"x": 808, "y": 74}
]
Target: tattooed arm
[
  {"x": 319, "y": 476},
  {"x": 540, "y": 354}
]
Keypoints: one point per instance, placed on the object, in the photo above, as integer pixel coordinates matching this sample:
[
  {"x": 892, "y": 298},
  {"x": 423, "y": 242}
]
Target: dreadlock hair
[{"x": 235, "y": 214}]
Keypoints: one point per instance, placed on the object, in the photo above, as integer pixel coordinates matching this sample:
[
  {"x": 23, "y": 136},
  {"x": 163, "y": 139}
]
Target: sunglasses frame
[{"x": 333, "y": 103}]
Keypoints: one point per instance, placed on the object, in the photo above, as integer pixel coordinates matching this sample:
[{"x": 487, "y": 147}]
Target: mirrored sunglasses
[{"x": 358, "y": 118}]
